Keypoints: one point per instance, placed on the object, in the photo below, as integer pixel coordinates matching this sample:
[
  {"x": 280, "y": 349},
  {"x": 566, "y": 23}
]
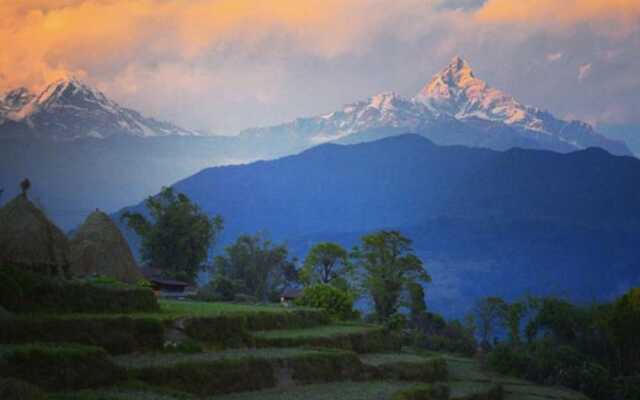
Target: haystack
[
  {"x": 28, "y": 239},
  {"x": 98, "y": 248}
]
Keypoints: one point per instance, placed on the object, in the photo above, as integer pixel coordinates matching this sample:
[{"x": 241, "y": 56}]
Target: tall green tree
[
  {"x": 511, "y": 315},
  {"x": 177, "y": 236},
  {"x": 488, "y": 312},
  {"x": 254, "y": 266},
  {"x": 390, "y": 265},
  {"x": 327, "y": 263}
]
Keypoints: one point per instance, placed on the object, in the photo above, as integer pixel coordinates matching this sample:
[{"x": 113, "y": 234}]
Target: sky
[{"x": 224, "y": 65}]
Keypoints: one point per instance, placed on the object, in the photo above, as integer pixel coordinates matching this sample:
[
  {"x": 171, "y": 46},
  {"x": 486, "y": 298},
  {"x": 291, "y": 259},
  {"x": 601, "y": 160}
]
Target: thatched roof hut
[
  {"x": 98, "y": 247},
  {"x": 29, "y": 239}
]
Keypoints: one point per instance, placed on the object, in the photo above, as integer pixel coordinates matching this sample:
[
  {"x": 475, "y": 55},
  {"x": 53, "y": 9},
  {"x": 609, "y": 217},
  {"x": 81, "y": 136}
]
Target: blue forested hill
[{"x": 484, "y": 221}]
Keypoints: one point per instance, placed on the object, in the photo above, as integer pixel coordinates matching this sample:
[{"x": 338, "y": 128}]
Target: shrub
[
  {"x": 336, "y": 302},
  {"x": 432, "y": 332},
  {"x": 116, "y": 335},
  {"x": 224, "y": 330},
  {"x": 60, "y": 367},
  {"x": 508, "y": 360},
  {"x": 327, "y": 366},
  {"x": 24, "y": 291},
  {"x": 429, "y": 370},
  {"x": 543, "y": 362},
  {"x": 396, "y": 322},
  {"x": 15, "y": 389},
  {"x": 213, "y": 377}
]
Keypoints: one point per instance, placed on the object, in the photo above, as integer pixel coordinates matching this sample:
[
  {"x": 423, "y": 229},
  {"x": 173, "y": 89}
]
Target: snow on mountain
[
  {"x": 455, "y": 107},
  {"x": 68, "y": 109},
  {"x": 456, "y": 91}
]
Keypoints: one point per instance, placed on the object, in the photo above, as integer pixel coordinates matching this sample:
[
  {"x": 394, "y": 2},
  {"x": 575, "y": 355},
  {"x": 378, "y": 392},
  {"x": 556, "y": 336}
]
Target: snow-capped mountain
[
  {"x": 455, "y": 107},
  {"x": 68, "y": 109}
]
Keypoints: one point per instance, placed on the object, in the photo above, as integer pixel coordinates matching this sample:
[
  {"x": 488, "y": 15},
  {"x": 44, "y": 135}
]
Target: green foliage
[
  {"x": 544, "y": 362},
  {"x": 15, "y": 389},
  {"x": 415, "y": 370},
  {"x": 326, "y": 263},
  {"x": 144, "y": 284},
  {"x": 117, "y": 335},
  {"x": 254, "y": 266},
  {"x": 24, "y": 291},
  {"x": 208, "y": 378},
  {"x": 59, "y": 367},
  {"x": 436, "y": 334},
  {"x": 326, "y": 366},
  {"x": 511, "y": 315},
  {"x": 417, "y": 305},
  {"x": 390, "y": 265},
  {"x": 625, "y": 325},
  {"x": 336, "y": 302},
  {"x": 437, "y": 391},
  {"x": 488, "y": 311},
  {"x": 225, "y": 331},
  {"x": 396, "y": 322},
  {"x": 178, "y": 237}
]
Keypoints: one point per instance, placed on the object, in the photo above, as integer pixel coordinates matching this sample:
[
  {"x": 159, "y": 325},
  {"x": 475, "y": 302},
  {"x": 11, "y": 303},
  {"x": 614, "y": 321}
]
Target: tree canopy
[
  {"x": 253, "y": 266},
  {"x": 390, "y": 265},
  {"x": 177, "y": 236},
  {"x": 326, "y": 263}
]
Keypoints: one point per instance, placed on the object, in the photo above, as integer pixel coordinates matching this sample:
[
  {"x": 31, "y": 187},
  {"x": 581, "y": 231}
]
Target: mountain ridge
[
  {"x": 454, "y": 107},
  {"x": 68, "y": 109}
]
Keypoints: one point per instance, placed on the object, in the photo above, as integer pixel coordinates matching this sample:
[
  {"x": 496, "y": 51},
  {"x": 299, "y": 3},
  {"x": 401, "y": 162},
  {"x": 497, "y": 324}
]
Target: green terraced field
[
  {"x": 326, "y": 331},
  {"x": 331, "y": 391},
  {"x": 133, "y": 361},
  {"x": 172, "y": 309},
  {"x": 377, "y": 359}
]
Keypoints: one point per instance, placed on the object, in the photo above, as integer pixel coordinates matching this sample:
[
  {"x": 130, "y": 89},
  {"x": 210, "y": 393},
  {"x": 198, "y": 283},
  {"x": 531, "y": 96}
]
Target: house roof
[
  {"x": 291, "y": 293},
  {"x": 168, "y": 282}
]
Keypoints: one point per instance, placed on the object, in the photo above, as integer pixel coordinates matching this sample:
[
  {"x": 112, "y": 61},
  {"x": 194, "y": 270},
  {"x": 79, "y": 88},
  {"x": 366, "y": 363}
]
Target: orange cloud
[
  {"x": 560, "y": 12},
  {"x": 49, "y": 38}
]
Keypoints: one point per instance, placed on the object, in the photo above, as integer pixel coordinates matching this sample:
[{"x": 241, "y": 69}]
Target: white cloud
[
  {"x": 552, "y": 57},
  {"x": 584, "y": 71}
]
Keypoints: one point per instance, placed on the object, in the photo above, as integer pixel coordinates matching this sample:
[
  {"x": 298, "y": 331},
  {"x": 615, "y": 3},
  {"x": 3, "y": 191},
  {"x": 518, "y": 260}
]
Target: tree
[
  {"x": 177, "y": 237},
  {"x": 326, "y": 263},
  {"x": 488, "y": 311},
  {"x": 511, "y": 315},
  {"x": 254, "y": 266},
  {"x": 389, "y": 265},
  {"x": 625, "y": 325},
  {"x": 417, "y": 305}
]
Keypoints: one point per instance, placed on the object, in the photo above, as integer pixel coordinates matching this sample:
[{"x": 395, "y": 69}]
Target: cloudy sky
[{"x": 225, "y": 65}]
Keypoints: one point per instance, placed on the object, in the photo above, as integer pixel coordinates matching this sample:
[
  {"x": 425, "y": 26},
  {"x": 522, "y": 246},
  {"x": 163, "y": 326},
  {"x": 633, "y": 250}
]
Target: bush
[
  {"x": 508, "y": 360},
  {"x": 546, "y": 363},
  {"x": 116, "y": 335},
  {"x": 429, "y": 370},
  {"x": 213, "y": 377},
  {"x": 327, "y": 366},
  {"x": 60, "y": 367},
  {"x": 25, "y": 291},
  {"x": 224, "y": 330},
  {"x": 336, "y": 302},
  {"x": 15, "y": 389},
  {"x": 436, "y": 334}
]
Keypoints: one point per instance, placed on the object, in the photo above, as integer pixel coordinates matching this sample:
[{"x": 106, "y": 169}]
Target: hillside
[{"x": 484, "y": 221}]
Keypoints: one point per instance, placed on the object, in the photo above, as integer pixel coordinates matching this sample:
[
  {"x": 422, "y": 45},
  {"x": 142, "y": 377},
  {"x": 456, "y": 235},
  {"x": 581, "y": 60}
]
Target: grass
[
  {"x": 173, "y": 309},
  {"x": 326, "y": 331},
  {"x": 330, "y": 391},
  {"x": 378, "y": 359},
  {"x": 133, "y": 361}
]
